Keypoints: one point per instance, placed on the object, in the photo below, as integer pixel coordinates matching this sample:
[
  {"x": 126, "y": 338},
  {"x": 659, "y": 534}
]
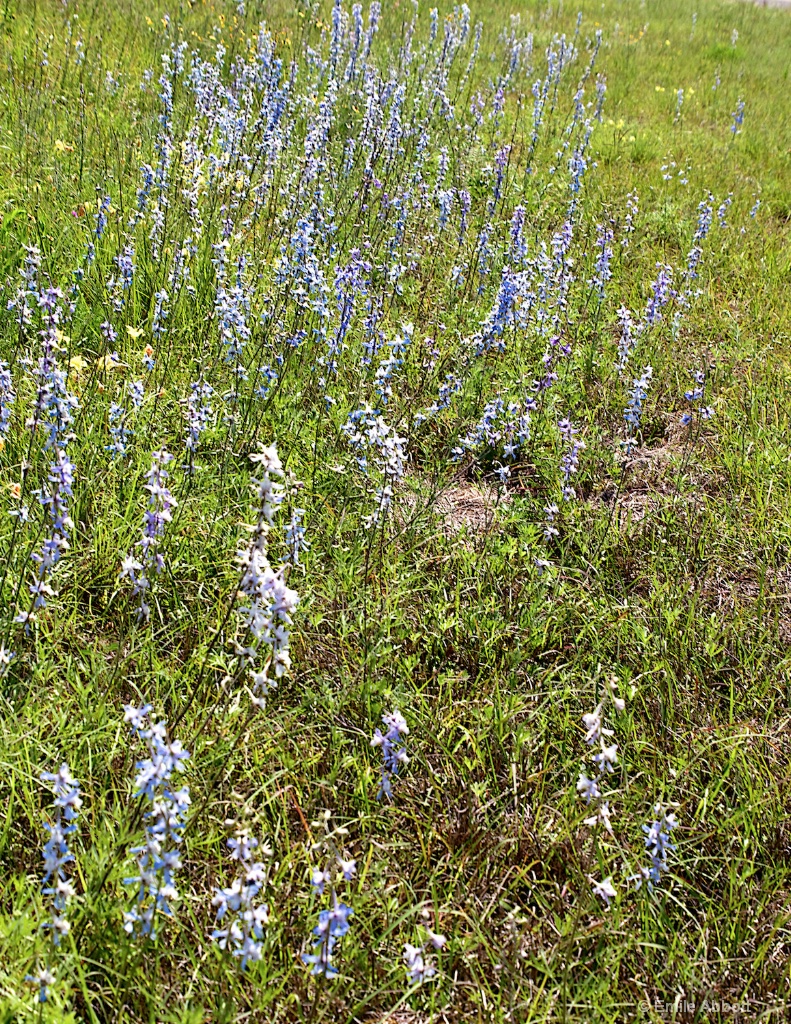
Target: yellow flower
[
  {"x": 134, "y": 332},
  {"x": 16, "y": 490},
  {"x": 76, "y": 365},
  {"x": 63, "y": 147},
  {"x": 2, "y": 444},
  {"x": 109, "y": 362}
]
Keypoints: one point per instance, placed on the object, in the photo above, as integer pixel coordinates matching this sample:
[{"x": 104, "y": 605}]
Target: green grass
[{"x": 671, "y": 573}]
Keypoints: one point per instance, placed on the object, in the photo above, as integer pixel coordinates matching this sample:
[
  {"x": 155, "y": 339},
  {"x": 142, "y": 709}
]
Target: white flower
[
  {"x": 605, "y": 890},
  {"x": 602, "y": 815},
  {"x": 129, "y": 567},
  {"x": 607, "y": 758},
  {"x": 588, "y": 788},
  {"x": 418, "y": 968},
  {"x": 348, "y": 868},
  {"x": 594, "y": 729},
  {"x": 269, "y": 459}
]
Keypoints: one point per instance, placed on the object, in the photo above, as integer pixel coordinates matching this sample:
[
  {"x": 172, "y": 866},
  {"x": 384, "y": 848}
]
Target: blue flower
[
  {"x": 634, "y": 408},
  {"x": 333, "y": 925},
  {"x": 158, "y": 858},
  {"x": 243, "y": 917},
  {"x": 393, "y": 750}
]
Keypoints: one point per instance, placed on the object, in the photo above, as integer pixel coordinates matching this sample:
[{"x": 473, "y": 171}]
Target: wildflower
[
  {"x": 603, "y": 271},
  {"x": 738, "y": 118},
  {"x": 393, "y": 750},
  {"x": 103, "y": 210},
  {"x": 28, "y": 293},
  {"x": 606, "y": 757},
  {"x": 348, "y": 868},
  {"x": 56, "y": 855},
  {"x": 295, "y": 536},
  {"x": 601, "y": 817},
  {"x": 199, "y": 413},
  {"x": 270, "y": 602},
  {"x": 246, "y": 918},
  {"x": 679, "y": 104},
  {"x": 161, "y": 299},
  {"x": 630, "y": 332},
  {"x": 594, "y": 729},
  {"x": 333, "y": 922},
  {"x": 7, "y": 399},
  {"x": 596, "y": 734},
  {"x": 662, "y": 293},
  {"x": 44, "y": 979},
  {"x": 550, "y": 530},
  {"x": 269, "y": 460},
  {"x": 588, "y": 788},
  {"x": 54, "y": 405},
  {"x": 56, "y": 502},
  {"x": 333, "y": 925},
  {"x": 569, "y": 463},
  {"x": 67, "y": 804},
  {"x": 419, "y": 966},
  {"x": 119, "y": 418},
  {"x": 118, "y": 285},
  {"x": 618, "y": 702},
  {"x": 632, "y": 209},
  {"x": 110, "y": 362},
  {"x": 158, "y": 514},
  {"x": 158, "y": 858},
  {"x": 319, "y": 878},
  {"x": 77, "y": 365},
  {"x": 368, "y": 434},
  {"x": 634, "y": 408},
  {"x": 658, "y": 846},
  {"x": 694, "y": 396},
  {"x": 604, "y": 890}
]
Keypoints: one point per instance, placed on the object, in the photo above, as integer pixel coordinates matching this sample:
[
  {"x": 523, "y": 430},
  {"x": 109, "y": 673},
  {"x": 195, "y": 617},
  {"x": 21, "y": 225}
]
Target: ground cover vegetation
[{"x": 394, "y": 511}]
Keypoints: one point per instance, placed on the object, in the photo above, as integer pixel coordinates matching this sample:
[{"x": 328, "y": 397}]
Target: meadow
[{"x": 395, "y": 511}]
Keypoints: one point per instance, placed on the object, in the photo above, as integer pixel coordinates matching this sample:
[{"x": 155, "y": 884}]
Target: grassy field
[{"x": 372, "y": 363}]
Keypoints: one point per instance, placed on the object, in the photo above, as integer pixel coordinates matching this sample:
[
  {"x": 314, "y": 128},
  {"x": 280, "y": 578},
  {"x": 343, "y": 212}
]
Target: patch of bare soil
[
  {"x": 730, "y": 589},
  {"x": 651, "y": 477},
  {"x": 462, "y": 507},
  {"x": 648, "y": 480}
]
